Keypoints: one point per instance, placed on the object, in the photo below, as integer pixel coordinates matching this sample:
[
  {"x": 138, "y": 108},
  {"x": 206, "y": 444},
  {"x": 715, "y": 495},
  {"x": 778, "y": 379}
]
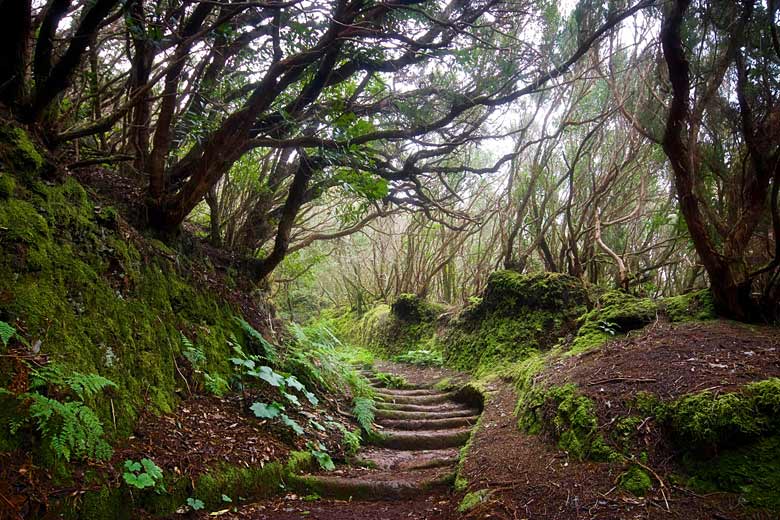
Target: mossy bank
[{"x": 85, "y": 291}]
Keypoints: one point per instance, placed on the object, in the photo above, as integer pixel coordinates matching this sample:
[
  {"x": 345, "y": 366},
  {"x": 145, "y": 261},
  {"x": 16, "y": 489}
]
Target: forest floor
[
  {"x": 522, "y": 476},
  {"x": 514, "y": 474}
]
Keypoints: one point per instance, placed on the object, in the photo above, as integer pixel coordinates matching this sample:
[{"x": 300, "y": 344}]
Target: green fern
[
  {"x": 269, "y": 351},
  {"x": 363, "y": 409},
  {"x": 216, "y": 384},
  {"x": 71, "y": 429},
  {"x": 6, "y": 333},
  {"x": 83, "y": 386},
  {"x": 194, "y": 355}
]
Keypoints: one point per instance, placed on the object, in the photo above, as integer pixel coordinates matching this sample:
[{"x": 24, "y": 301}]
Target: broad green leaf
[
  {"x": 132, "y": 465},
  {"x": 152, "y": 469},
  {"x": 293, "y": 382},
  {"x": 312, "y": 398},
  {"x": 292, "y": 424},
  {"x": 265, "y": 411},
  {"x": 195, "y": 504},
  {"x": 268, "y": 375},
  {"x": 248, "y": 363},
  {"x": 324, "y": 459},
  {"x": 292, "y": 398},
  {"x": 141, "y": 481}
]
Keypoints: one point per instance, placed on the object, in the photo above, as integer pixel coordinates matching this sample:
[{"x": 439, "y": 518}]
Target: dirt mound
[
  {"x": 674, "y": 360},
  {"x": 512, "y": 474}
]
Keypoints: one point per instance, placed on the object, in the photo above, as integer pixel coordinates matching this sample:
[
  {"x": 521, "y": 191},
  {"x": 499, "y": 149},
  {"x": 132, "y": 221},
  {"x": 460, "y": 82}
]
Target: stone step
[
  {"x": 422, "y": 439},
  {"x": 403, "y": 414},
  {"x": 408, "y": 391},
  {"x": 437, "y": 407},
  {"x": 403, "y": 460},
  {"x": 374, "y": 485},
  {"x": 415, "y": 399},
  {"x": 429, "y": 424}
]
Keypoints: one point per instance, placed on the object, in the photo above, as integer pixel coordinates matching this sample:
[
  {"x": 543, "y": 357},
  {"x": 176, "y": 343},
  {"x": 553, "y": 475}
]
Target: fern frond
[
  {"x": 6, "y": 333},
  {"x": 269, "y": 351},
  {"x": 87, "y": 385},
  {"x": 363, "y": 408}
]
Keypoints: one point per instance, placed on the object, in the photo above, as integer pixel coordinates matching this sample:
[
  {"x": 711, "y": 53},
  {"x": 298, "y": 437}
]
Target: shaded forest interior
[{"x": 259, "y": 257}]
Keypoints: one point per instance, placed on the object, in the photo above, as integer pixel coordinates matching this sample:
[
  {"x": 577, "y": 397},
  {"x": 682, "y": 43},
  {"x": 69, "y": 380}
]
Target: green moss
[
  {"x": 7, "y": 186},
  {"x": 729, "y": 442},
  {"x": 412, "y": 308},
  {"x": 706, "y": 420},
  {"x": 18, "y": 153},
  {"x": 234, "y": 481},
  {"x": 104, "y": 504},
  {"x": 636, "y": 481},
  {"x": 20, "y": 222},
  {"x": 617, "y": 314},
  {"x": 84, "y": 291},
  {"x": 753, "y": 471},
  {"x": 568, "y": 417},
  {"x": 626, "y": 429},
  {"x": 694, "y": 306},
  {"x": 519, "y": 317},
  {"x": 508, "y": 291},
  {"x": 473, "y": 499}
]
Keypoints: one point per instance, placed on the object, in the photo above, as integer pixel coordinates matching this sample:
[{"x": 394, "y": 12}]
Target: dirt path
[{"x": 406, "y": 471}]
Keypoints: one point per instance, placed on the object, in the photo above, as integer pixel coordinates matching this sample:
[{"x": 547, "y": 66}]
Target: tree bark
[
  {"x": 295, "y": 198},
  {"x": 730, "y": 287},
  {"x": 14, "y": 30}
]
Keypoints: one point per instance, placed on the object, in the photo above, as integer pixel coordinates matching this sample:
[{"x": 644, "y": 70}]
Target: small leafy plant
[
  {"x": 319, "y": 452},
  {"x": 608, "y": 327},
  {"x": 391, "y": 380},
  {"x": 196, "y": 504},
  {"x": 249, "y": 368},
  {"x": 143, "y": 475}
]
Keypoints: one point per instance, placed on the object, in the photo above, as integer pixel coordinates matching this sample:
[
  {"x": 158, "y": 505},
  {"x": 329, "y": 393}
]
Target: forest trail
[{"x": 406, "y": 470}]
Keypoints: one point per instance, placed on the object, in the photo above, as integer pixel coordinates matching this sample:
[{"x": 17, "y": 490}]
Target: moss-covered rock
[
  {"x": 255, "y": 482},
  {"x": 706, "y": 421},
  {"x": 568, "y": 417},
  {"x": 508, "y": 291},
  {"x": 412, "y": 308},
  {"x": 692, "y": 306},
  {"x": 752, "y": 471},
  {"x": 616, "y": 314},
  {"x": 636, "y": 481},
  {"x": 729, "y": 442},
  {"x": 519, "y": 316}
]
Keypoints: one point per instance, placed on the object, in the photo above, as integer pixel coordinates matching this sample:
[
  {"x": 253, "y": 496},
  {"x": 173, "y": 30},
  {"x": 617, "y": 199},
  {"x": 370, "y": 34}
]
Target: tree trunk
[
  {"x": 14, "y": 31},
  {"x": 731, "y": 286},
  {"x": 295, "y": 198}
]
